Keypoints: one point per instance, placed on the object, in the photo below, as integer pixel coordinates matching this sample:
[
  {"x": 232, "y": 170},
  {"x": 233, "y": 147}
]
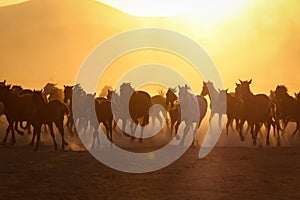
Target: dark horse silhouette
[
  {"x": 233, "y": 109},
  {"x": 173, "y": 109},
  {"x": 48, "y": 113},
  {"x": 289, "y": 107},
  {"x": 256, "y": 110},
  {"x": 139, "y": 103},
  {"x": 17, "y": 108},
  {"x": 105, "y": 116}
]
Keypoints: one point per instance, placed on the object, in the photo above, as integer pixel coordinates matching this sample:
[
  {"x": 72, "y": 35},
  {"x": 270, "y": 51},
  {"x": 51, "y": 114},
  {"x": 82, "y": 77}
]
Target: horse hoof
[
  {"x": 177, "y": 137},
  {"x": 242, "y": 138},
  {"x": 35, "y": 149},
  {"x": 268, "y": 143},
  {"x": 254, "y": 143},
  {"x": 140, "y": 140}
]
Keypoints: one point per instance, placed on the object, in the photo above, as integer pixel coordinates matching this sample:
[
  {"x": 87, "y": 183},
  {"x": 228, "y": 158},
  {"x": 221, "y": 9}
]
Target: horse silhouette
[
  {"x": 159, "y": 100},
  {"x": 256, "y": 110},
  {"x": 48, "y": 113},
  {"x": 139, "y": 103},
  {"x": 80, "y": 102},
  {"x": 17, "y": 108},
  {"x": 105, "y": 116},
  {"x": 173, "y": 110},
  {"x": 234, "y": 106},
  {"x": 217, "y": 101},
  {"x": 53, "y": 93},
  {"x": 289, "y": 107}
]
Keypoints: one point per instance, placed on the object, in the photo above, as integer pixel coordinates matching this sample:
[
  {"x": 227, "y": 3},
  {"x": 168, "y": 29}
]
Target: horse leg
[
  {"x": 37, "y": 132},
  {"x": 296, "y": 130},
  {"x": 133, "y": 126},
  {"x": 285, "y": 123},
  {"x": 7, "y": 132},
  {"x": 52, "y": 135},
  {"x": 176, "y": 129},
  {"x": 33, "y": 137},
  {"x": 16, "y": 128},
  {"x": 240, "y": 125},
  {"x": 268, "y": 133},
  {"x": 145, "y": 121},
  {"x": 220, "y": 119},
  {"x": 107, "y": 130},
  {"x": 60, "y": 125},
  {"x": 255, "y": 127},
  {"x": 229, "y": 121},
  {"x": 185, "y": 131}
]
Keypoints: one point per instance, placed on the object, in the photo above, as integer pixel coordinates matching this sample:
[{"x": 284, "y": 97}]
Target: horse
[
  {"x": 234, "y": 106},
  {"x": 216, "y": 103},
  {"x": 289, "y": 107},
  {"x": 45, "y": 112},
  {"x": 53, "y": 93},
  {"x": 188, "y": 102},
  {"x": 79, "y": 102},
  {"x": 256, "y": 110},
  {"x": 159, "y": 100},
  {"x": 139, "y": 103},
  {"x": 173, "y": 109},
  {"x": 17, "y": 108},
  {"x": 105, "y": 116}
]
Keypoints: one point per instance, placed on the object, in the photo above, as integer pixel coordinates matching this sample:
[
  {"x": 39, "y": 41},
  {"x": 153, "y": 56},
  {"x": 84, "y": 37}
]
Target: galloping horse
[
  {"x": 159, "y": 100},
  {"x": 256, "y": 110},
  {"x": 188, "y": 103},
  {"x": 53, "y": 92},
  {"x": 173, "y": 109},
  {"x": 234, "y": 107},
  {"x": 139, "y": 103},
  {"x": 47, "y": 113},
  {"x": 16, "y": 108},
  {"x": 216, "y": 100},
  {"x": 289, "y": 107}
]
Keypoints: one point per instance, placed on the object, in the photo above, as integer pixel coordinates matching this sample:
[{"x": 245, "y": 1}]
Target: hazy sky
[{"x": 42, "y": 41}]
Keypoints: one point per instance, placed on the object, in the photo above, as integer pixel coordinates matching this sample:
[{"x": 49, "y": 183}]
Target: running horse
[{"x": 139, "y": 103}]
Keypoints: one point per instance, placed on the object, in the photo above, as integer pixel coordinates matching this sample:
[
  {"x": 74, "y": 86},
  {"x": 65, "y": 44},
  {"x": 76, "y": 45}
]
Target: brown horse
[
  {"x": 139, "y": 104},
  {"x": 16, "y": 108},
  {"x": 159, "y": 100},
  {"x": 105, "y": 116},
  {"x": 68, "y": 92},
  {"x": 289, "y": 107},
  {"x": 48, "y": 113},
  {"x": 173, "y": 109},
  {"x": 256, "y": 110},
  {"x": 233, "y": 110}
]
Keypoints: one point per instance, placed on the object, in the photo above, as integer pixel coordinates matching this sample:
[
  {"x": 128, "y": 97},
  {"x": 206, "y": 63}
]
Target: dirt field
[{"x": 226, "y": 173}]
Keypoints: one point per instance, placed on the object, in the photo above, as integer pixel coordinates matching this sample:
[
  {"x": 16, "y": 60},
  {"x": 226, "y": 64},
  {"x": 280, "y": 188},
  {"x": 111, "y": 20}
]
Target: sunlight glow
[
  {"x": 10, "y": 2},
  {"x": 216, "y": 9}
]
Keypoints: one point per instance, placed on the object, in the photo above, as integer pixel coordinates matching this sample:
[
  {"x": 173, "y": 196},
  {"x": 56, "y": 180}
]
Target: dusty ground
[{"x": 228, "y": 172}]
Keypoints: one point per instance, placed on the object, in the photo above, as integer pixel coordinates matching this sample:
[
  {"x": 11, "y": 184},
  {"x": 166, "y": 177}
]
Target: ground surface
[{"x": 227, "y": 172}]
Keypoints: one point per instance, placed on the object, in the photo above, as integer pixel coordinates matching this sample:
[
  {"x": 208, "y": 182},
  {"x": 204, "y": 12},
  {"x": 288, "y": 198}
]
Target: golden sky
[{"x": 42, "y": 41}]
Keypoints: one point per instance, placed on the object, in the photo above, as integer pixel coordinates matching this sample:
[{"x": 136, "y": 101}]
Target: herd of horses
[{"x": 130, "y": 107}]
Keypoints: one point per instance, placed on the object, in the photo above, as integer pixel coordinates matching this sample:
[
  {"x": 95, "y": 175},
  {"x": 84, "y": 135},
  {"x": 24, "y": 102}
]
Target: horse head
[
  {"x": 171, "y": 96},
  {"x": 68, "y": 91},
  {"x": 281, "y": 91},
  {"x": 243, "y": 88}
]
